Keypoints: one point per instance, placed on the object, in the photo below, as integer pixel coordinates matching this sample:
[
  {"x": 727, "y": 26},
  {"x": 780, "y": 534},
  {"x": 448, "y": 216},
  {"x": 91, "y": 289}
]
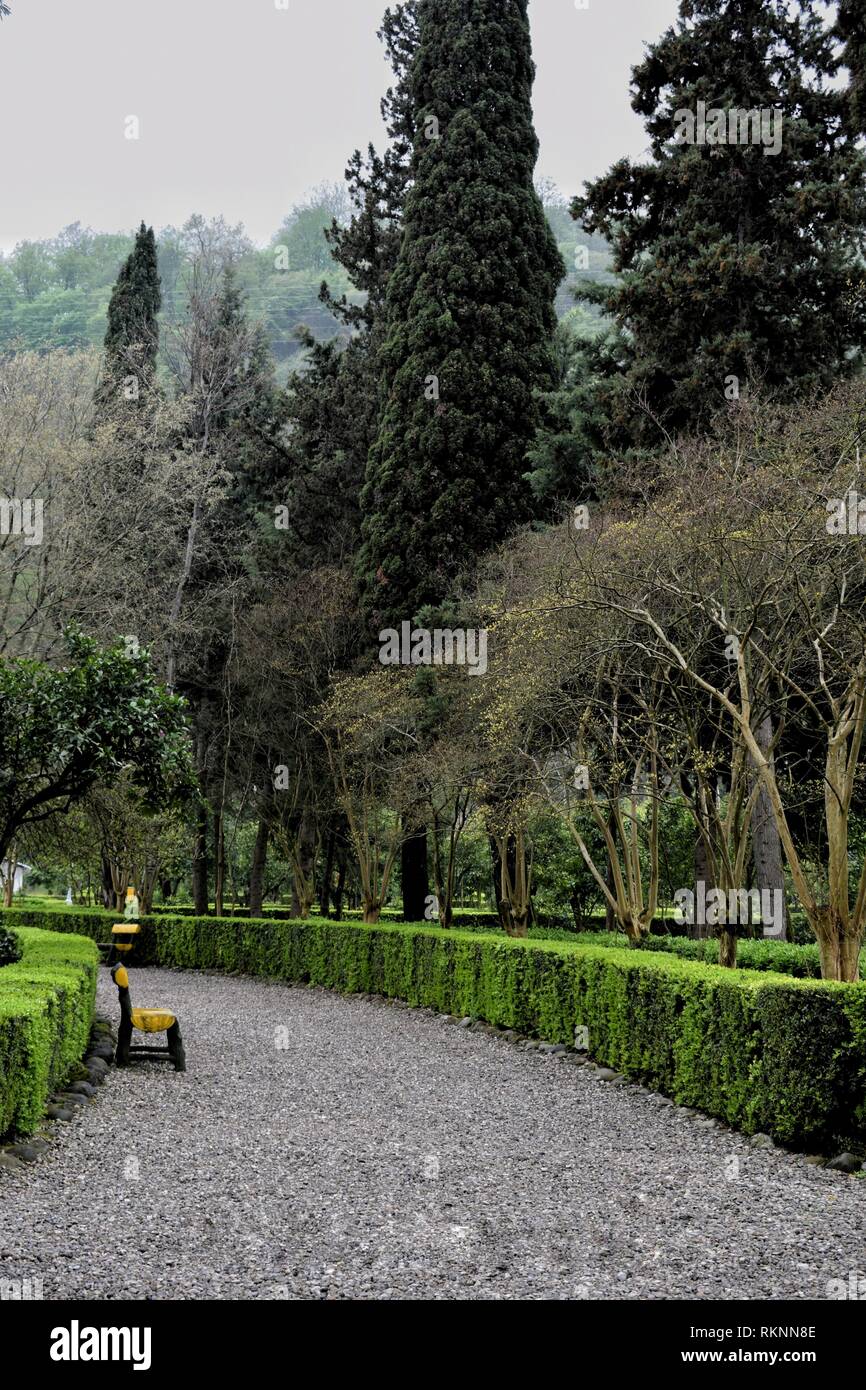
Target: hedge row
[
  {"x": 46, "y": 1012},
  {"x": 96, "y": 923},
  {"x": 803, "y": 962},
  {"x": 466, "y": 917},
  {"x": 759, "y": 1050}
]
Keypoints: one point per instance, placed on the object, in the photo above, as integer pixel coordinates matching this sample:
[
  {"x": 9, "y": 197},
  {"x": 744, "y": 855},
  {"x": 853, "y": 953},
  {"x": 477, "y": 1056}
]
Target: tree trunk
[
  {"x": 496, "y": 866},
  {"x": 840, "y": 951},
  {"x": 610, "y": 923},
  {"x": 727, "y": 947},
  {"x": 257, "y": 867},
  {"x": 342, "y": 862},
  {"x": 120, "y": 883},
  {"x": 609, "y": 912},
  {"x": 413, "y": 874},
  {"x": 200, "y": 860},
  {"x": 219, "y": 862},
  {"x": 519, "y": 923},
  {"x": 327, "y": 873},
  {"x": 9, "y": 883},
  {"x": 107, "y": 883},
  {"x": 515, "y": 897},
  {"x": 304, "y": 866},
  {"x": 699, "y": 931},
  {"x": 200, "y": 895},
  {"x": 766, "y": 842},
  {"x": 635, "y": 929},
  {"x": 576, "y": 912}
]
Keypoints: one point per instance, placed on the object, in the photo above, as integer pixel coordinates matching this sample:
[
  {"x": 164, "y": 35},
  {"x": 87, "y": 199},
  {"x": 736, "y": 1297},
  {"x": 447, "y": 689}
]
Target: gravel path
[{"x": 329, "y": 1147}]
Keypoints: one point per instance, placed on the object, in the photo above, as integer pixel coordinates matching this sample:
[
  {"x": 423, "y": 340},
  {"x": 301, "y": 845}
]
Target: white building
[{"x": 21, "y": 872}]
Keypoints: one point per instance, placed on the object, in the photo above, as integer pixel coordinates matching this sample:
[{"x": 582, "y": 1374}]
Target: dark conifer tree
[
  {"x": 851, "y": 24},
  {"x": 334, "y": 406},
  {"x": 132, "y": 335},
  {"x": 367, "y": 248},
  {"x": 735, "y": 260},
  {"x": 469, "y": 314}
]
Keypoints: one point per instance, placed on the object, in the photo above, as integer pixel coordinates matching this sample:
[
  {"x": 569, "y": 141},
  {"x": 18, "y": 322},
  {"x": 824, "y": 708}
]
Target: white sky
[{"x": 244, "y": 107}]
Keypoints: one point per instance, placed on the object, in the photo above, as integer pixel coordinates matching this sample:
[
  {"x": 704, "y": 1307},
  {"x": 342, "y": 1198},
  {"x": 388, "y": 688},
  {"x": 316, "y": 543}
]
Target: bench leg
[
  {"x": 175, "y": 1047},
  {"x": 124, "y": 1038}
]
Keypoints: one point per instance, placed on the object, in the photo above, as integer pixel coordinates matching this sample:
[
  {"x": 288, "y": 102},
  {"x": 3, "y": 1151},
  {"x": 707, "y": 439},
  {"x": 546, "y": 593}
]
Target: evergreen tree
[
  {"x": 234, "y": 412},
  {"x": 332, "y": 409},
  {"x": 250, "y": 417},
  {"x": 237, "y": 413},
  {"x": 574, "y": 428},
  {"x": 469, "y": 314},
  {"x": 367, "y": 248},
  {"x": 734, "y": 259},
  {"x": 851, "y": 25},
  {"x": 334, "y": 405},
  {"x": 132, "y": 335}
]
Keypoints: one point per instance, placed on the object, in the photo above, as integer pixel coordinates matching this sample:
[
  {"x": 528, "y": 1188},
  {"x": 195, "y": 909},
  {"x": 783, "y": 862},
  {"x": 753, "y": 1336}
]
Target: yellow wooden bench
[{"x": 145, "y": 1021}]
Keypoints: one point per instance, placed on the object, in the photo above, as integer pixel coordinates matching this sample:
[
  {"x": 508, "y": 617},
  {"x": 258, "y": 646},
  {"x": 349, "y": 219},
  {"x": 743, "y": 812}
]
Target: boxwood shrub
[
  {"x": 46, "y": 1011},
  {"x": 10, "y": 948}
]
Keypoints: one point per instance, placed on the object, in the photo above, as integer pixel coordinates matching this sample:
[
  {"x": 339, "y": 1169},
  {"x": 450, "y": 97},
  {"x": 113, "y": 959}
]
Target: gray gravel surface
[{"x": 329, "y": 1147}]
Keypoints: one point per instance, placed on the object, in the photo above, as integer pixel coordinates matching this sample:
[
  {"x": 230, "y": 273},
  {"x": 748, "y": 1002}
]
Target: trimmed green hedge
[
  {"x": 467, "y": 917},
  {"x": 801, "y": 961},
  {"x": 96, "y": 923},
  {"x": 92, "y": 922},
  {"x": 46, "y": 1012},
  {"x": 783, "y": 957},
  {"x": 762, "y": 1051}
]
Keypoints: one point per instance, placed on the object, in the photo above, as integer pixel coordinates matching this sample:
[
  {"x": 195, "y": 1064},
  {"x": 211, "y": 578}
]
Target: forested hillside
[{"x": 54, "y": 293}]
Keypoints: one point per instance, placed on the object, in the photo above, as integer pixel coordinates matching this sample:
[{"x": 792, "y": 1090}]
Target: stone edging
[{"x": 62, "y": 1105}]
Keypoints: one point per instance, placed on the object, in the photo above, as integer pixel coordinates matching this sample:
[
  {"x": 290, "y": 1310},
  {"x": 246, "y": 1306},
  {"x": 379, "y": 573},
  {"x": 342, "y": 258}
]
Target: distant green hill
[{"x": 54, "y": 294}]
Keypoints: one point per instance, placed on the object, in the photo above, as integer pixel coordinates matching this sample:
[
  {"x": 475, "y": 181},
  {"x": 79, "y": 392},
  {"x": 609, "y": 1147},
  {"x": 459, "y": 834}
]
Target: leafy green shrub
[
  {"x": 10, "y": 950},
  {"x": 46, "y": 1010}
]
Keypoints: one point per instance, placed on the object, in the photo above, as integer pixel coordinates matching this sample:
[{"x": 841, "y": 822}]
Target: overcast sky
[{"x": 243, "y": 106}]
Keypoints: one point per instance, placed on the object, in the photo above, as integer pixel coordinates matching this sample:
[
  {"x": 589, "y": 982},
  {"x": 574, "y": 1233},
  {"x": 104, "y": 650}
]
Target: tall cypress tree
[
  {"x": 132, "y": 335},
  {"x": 735, "y": 260},
  {"x": 368, "y": 247},
  {"x": 333, "y": 406},
  {"x": 469, "y": 313},
  {"x": 337, "y": 402},
  {"x": 851, "y": 24}
]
